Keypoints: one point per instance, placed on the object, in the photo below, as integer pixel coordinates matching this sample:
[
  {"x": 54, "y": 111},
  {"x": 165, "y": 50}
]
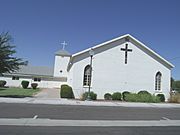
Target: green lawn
[{"x": 17, "y": 92}]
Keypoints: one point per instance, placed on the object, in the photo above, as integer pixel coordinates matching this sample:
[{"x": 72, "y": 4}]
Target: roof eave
[
  {"x": 68, "y": 55},
  {"x": 118, "y": 38},
  {"x": 164, "y": 60},
  {"x": 99, "y": 45}
]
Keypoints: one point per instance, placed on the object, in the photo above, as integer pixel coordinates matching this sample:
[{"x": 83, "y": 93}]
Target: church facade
[{"x": 121, "y": 64}]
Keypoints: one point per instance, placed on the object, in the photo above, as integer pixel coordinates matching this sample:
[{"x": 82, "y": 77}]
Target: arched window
[
  {"x": 87, "y": 75},
  {"x": 158, "y": 81}
]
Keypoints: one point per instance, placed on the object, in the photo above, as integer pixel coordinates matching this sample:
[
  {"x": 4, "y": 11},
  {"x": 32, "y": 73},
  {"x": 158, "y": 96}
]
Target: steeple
[
  {"x": 63, "y": 52},
  {"x": 62, "y": 58}
]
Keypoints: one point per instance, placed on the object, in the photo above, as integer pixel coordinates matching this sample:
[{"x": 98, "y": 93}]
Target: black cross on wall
[{"x": 126, "y": 52}]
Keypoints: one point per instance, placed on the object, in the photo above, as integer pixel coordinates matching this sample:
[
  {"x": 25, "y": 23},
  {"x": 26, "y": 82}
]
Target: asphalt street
[
  {"x": 19, "y": 130},
  {"x": 68, "y": 112}
]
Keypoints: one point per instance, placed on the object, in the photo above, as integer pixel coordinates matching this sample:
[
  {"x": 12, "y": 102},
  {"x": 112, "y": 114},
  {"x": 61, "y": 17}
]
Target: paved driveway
[{"x": 48, "y": 93}]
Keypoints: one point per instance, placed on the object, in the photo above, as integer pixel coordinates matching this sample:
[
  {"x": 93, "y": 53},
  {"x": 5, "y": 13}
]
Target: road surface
[{"x": 33, "y": 112}]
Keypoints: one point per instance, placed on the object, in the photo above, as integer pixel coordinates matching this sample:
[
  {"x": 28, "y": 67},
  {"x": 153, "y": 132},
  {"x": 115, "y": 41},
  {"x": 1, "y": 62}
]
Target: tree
[
  {"x": 175, "y": 84},
  {"x": 172, "y": 83},
  {"x": 8, "y": 62}
]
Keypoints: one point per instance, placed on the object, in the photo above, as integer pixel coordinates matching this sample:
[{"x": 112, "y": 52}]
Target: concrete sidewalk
[
  {"x": 59, "y": 101},
  {"x": 48, "y": 93},
  {"x": 92, "y": 123}
]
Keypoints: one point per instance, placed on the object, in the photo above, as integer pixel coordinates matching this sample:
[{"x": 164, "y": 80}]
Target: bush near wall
[
  {"x": 107, "y": 96},
  {"x": 143, "y": 92},
  {"x": 2, "y": 83},
  {"x": 116, "y": 96},
  {"x": 124, "y": 95},
  {"x": 34, "y": 85},
  {"x": 25, "y": 84},
  {"x": 133, "y": 97},
  {"x": 93, "y": 96},
  {"x": 161, "y": 97},
  {"x": 66, "y": 92}
]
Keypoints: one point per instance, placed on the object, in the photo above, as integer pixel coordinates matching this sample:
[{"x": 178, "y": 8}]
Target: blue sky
[{"x": 39, "y": 26}]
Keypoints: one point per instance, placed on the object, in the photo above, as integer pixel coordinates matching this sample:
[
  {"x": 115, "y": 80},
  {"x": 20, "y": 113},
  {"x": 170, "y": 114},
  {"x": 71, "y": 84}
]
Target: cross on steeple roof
[{"x": 63, "y": 44}]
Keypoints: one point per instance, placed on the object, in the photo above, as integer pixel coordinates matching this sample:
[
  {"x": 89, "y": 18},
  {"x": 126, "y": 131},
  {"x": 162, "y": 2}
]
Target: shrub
[
  {"x": 175, "y": 98},
  {"x": 93, "y": 96},
  {"x": 34, "y": 85},
  {"x": 145, "y": 97},
  {"x": 107, "y": 96},
  {"x": 25, "y": 84},
  {"x": 155, "y": 99},
  {"x": 66, "y": 91},
  {"x": 161, "y": 97},
  {"x": 124, "y": 95},
  {"x": 2, "y": 83},
  {"x": 116, "y": 96},
  {"x": 133, "y": 97},
  {"x": 144, "y": 92}
]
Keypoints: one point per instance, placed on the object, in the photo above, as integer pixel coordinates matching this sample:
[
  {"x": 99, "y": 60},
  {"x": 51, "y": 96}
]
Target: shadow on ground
[{"x": 14, "y": 96}]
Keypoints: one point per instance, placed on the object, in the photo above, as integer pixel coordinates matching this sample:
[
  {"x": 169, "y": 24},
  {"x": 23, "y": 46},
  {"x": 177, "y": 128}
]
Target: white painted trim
[
  {"x": 151, "y": 51},
  {"x": 99, "y": 45}
]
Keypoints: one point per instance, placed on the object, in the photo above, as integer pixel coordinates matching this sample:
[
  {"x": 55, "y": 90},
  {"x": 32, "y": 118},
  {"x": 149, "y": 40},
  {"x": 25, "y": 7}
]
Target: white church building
[{"x": 121, "y": 64}]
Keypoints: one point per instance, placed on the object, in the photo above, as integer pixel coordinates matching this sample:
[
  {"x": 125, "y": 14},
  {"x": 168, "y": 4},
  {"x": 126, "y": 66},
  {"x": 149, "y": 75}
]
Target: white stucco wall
[
  {"x": 110, "y": 74},
  {"x": 60, "y": 64},
  {"x": 41, "y": 84}
]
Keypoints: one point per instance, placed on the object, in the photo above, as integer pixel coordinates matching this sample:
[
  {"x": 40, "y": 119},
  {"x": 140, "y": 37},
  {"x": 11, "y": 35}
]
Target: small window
[
  {"x": 37, "y": 79},
  {"x": 158, "y": 81},
  {"x": 87, "y": 76},
  {"x": 15, "y": 77}
]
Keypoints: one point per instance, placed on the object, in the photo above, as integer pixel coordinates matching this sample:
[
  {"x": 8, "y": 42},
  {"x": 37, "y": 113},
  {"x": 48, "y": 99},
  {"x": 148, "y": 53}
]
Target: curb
[{"x": 86, "y": 103}]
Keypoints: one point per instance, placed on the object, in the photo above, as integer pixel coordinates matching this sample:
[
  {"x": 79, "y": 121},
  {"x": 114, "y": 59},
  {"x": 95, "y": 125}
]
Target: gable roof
[
  {"x": 34, "y": 71},
  {"x": 131, "y": 38}
]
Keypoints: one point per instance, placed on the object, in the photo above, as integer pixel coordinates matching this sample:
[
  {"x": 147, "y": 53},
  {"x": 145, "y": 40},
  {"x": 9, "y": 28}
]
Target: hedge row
[
  {"x": 24, "y": 84},
  {"x": 133, "y": 97},
  {"x": 141, "y": 96}
]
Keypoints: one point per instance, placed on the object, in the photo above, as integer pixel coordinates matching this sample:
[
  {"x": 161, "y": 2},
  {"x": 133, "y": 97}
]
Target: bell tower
[{"x": 62, "y": 58}]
